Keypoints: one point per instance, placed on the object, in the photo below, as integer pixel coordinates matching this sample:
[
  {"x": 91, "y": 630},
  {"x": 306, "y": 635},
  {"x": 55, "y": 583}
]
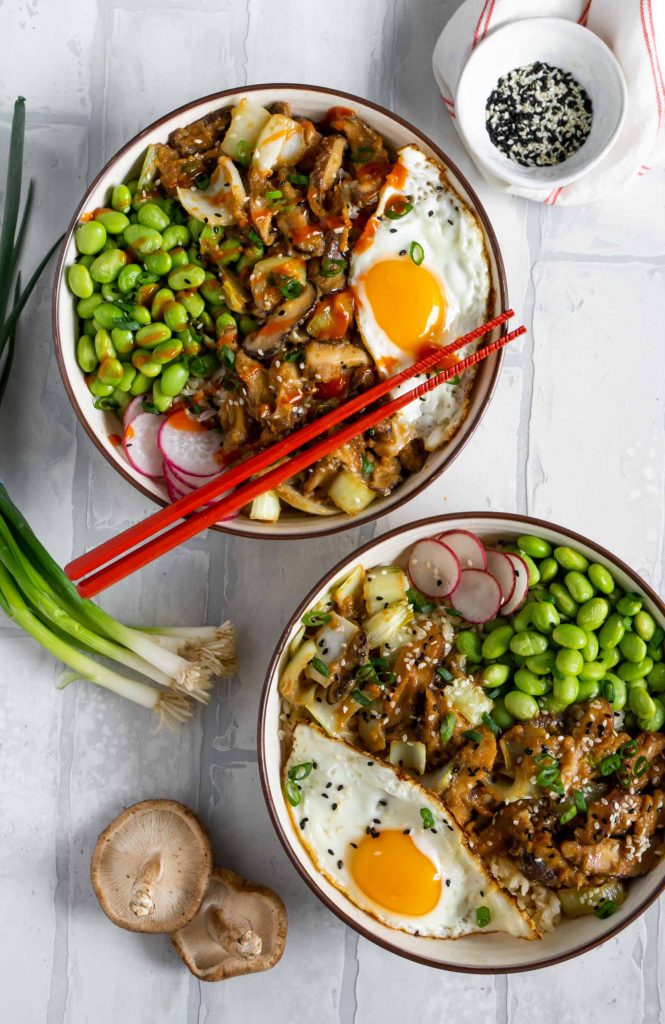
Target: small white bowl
[
  {"x": 473, "y": 954},
  {"x": 563, "y": 44}
]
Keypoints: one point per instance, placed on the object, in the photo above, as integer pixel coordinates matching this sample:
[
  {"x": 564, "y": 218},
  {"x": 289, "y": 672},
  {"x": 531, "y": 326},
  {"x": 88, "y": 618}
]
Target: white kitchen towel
[{"x": 633, "y": 29}]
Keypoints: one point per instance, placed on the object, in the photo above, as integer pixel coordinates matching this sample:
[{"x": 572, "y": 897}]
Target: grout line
[{"x": 348, "y": 1002}]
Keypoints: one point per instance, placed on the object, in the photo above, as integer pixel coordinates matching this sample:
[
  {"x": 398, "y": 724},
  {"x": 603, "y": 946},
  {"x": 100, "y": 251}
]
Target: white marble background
[{"x": 575, "y": 433}]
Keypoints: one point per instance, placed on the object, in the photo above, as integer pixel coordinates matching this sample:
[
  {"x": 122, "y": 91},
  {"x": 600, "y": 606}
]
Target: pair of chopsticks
[{"x": 113, "y": 560}]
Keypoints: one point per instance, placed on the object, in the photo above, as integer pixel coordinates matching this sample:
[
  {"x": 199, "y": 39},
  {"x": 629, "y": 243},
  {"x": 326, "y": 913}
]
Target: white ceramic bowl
[
  {"x": 312, "y": 102},
  {"x": 566, "y": 45},
  {"x": 483, "y": 954}
]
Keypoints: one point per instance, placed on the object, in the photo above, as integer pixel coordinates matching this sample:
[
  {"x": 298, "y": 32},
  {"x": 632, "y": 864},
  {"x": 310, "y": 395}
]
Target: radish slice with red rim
[
  {"x": 521, "y": 575},
  {"x": 503, "y": 571},
  {"x": 189, "y": 446},
  {"x": 140, "y": 444},
  {"x": 190, "y": 479},
  {"x": 477, "y": 596},
  {"x": 468, "y": 548},
  {"x": 132, "y": 411},
  {"x": 433, "y": 568}
]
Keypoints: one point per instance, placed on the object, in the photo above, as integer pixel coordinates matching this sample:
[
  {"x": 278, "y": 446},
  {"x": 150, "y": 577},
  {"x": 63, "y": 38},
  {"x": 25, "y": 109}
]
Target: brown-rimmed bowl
[
  {"x": 311, "y": 101},
  {"x": 481, "y": 953}
]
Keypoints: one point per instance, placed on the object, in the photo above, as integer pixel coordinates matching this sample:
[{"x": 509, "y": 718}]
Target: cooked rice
[{"x": 540, "y": 903}]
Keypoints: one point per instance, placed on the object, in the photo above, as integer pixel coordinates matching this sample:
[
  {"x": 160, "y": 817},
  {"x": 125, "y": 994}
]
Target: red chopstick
[
  {"x": 205, "y": 517},
  {"x": 148, "y": 527}
]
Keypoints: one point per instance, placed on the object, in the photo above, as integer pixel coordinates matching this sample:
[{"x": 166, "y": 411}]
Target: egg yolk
[
  {"x": 407, "y": 302},
  {"x": 393, "y": 872}
]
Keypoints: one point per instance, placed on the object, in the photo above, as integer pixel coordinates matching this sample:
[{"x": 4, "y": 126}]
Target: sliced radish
[
  {"x": 132, "y": 410},
  {"x": 189, "y": 446},
  {"x": 140, "y": 443},
  {"x": 521, "y": 575},
  {"x": 468, "y": 548},
  {"x": 503, "y": 571},
  {"x": 434, "y": 569},
  {"x": 189, "y": 478},
  {"x": 477, "y": 596}
]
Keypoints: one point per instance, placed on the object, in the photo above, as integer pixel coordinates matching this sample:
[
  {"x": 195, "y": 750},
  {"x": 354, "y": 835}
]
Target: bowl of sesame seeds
[{"x": 540, "y": 102}]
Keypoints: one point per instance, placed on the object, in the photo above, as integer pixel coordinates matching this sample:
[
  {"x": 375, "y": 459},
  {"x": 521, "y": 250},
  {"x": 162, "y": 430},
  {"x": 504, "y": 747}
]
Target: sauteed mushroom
[{"x": 270, "y": 337}]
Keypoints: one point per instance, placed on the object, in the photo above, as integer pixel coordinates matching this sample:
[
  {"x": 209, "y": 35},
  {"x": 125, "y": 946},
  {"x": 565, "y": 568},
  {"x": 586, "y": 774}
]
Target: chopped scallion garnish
[
  {"x": 447, "y": 727},
  {"x": 445, "y": 674},
  {"x": 331, "y": 267},
  {"x": 398, "y": 210},
  {"x": 605, "y": 909},
  {"x": 290, "y": 288},
  {"x": 292, "y": 791},
  {"x": 320, "y": 666},
  {"x": 473, "y": 735},
  {"x": 483, "y": 916},
  {"x": 360, "y": 698},
  {"x": 243, "y": 152},
  {"x": 417, "y": 253},
  {"x": 300, "y": 771},
  {"x": 312, "y": 619},
  {"x": 427, "y": 816},
  {"x": 491, "y": 724}
]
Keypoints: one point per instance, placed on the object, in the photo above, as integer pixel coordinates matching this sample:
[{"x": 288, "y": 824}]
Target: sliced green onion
[
  {"x": 293, "y": 357},
  {"x": 580, "y": 802},
  {"x": 300, "y": 771},
  {"x": 483, "y": 916},
  {"x": 427, "y": 816},
  {"x": 243, "y": 152},
  {"x": 360, "y": 698},
  {"x": 610, "y": 764},
  {"x": 418, "y": 601},
  {"x": 568, "y": 815},
  {"x": 274, "y": 196},
  {"x": 453, "y": 382},
  {"x": 290, "y": 288},
  {"x": 417, "y": 253},
  {"x": 255, "y": 240},
  {"x": 472, "y": 735},
  {"x": 331, "y": 267},
  {"x": 490, "y": 723},
  {"x": 605, "y": 909},
  {"x": 396, "y": 213},
  {"x": 362, "y": 155},
  {"x": 298, "y": 179},
  {"x": 445, "y": 674},
  {"x": 627, "y": 749},
  {"x": 447, "y": 727},
  {"x": 202, "y": 181},
  {"x": 640, "y": 767},
  {"x": 292, "y": 792},
  {"x": 312, "y": 619},
  {"x": 320, "y": 666},
  {"x": 367, "y": 465},
  {"x": 227, "y": 357}
]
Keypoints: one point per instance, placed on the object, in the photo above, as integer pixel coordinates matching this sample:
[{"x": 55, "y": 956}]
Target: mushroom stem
[
  {"x": 236, "y": 936},
  {"x": 141, "y": 902}
]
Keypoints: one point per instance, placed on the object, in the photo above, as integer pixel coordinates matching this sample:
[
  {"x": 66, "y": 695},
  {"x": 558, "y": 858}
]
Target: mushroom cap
[
  {"x": 151, "y": 866},
  {"x": 240, "y": 903}
]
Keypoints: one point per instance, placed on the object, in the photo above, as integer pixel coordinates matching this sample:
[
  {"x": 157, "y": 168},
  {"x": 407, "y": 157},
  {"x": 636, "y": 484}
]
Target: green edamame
[
  {"x": 527, "y": 643},
  {"x": 522, "y": 620},
  {"x": 204, "y": 365},
  {"x": 85, "y": 308},
  {"x": 492, "y": 675},
  {"x": 563, "y": 602},
  {"x": 121, "y": 198},
  {"x": 570, "y": 559},
  {"x": 657, "y": 720},
  {"x": 108, "y": 314},
  {"x": 178, "y": 256},
  {"x": 142, "y": 239},
  {"x": 614, "y": 689},
  {"x": 98, "y": 389},
  {"x": 633, "y": 647},
  {"x": 110, "y": 372},
  {"x": 90, "y": 238},
  {"x": 80, "y": 282},
  {"x": 631, "y": 671},
  {"x": 534, "y": 573},
  {"x": 129, "y": 375},
  {"x": 173, "y": 380},
  {"x": 128, "y": 278},
  {"x": 123, "y": 340},
  {"x": 152, "y": 334},
  {"x": 592, "y": 613},
  {"x": 548, "y": 568},
  {"x": 140, "y": 384},
  {"x": 520, "y": 705},
  {"x": 644, "y": 625},
  {"x": 567, "y": 635},
  {"x": 192, "y": 301},
  {"x": 501, "y": 714},
  {"x": 151, "y": 216},
  {"x": 541, "y": 664},
  {"x": 610, "y": 657},
  {"x": 212, "y": 291},
  {"x": 175, "y": 316},
  {"x": 108, "y": 265},
  {"x": 161, "y": 401},
  {"x": 591, "y": 648},
  {"x": 600, "y": 578},
  {"x": 187, "y": 276},
  {"x": 86, "y": 356},
  {"x": 611, "y": 632},
  {"x": 565, "y": 691},
  {"x": 114, "y": 221},
  {"x": 588, "y": 690},
  {"x": 579, "y": 586},
  {"x": 629, "y": 604},
  {"x": 167, "y": 351},
  {"x": 569, "y": 662},
  {"x": 592, "y": 670},
  {"x": 656, "y": 678},
  {"x": 142, "y": 360},
  {"x": 469, "y": 644},
  {"x": 529, "y": 682},
  {"x": 545, "y": 617},
  {"x": 158, "y": 262},
  {"x": 535, "y": 547},
  {"x": 104, "y": 348},
  {"x": 640, "y": 703},
  {"x": 175, "y": 235}
]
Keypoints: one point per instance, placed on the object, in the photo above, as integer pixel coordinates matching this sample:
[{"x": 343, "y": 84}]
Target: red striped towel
[{"x": 633, "y": 29}]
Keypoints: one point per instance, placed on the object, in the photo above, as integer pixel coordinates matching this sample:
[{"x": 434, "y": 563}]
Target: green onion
[
  {"x": 367, "y": 465},
  {"x": 640, "y": 767},
  {"x": 483, "y": 916},
  {"x": 447, "y": 727},
  {"x": 472, "y": 735},
  {"x": 605, "y": 909},
  {"x": 418, "y": 601},
  {"x": 243, "y": 152},
  {"x": 298, "y": 179},
  {"x": 427, "y": 816},
  {"x": 255, "y": 240},
  {"x": 313, "y": 619},
  {"x": 417, "y": 253},
  {"x": 568, "y": 815},
  {"x": 396, "y": 213},
  {"x": 491, "y": 724},
  {"x": 331, "y": 267},
  {"x": 300, "y": 771},
  {"x": 360, "y": 698},
  {"x": 292, "y": 792},
  {"x": 608, "y": 690},
  {"x": 580, "y": 802},
  {"x": 202, "y": 181},
  {"x": 627, "y": 749},
  {"x": 362, "y": 155},
  {"x": 293, "y": 357},
  {"x": 365, "y": 673},
  {"x": 610, "y": 764},
  {"x": 453, "y": 382},
  {"x": 274, "y": 196},
  {"x": 290, "y": 288},
  {"x": 320, "y": 666},
  {"x": 445, "y": 673},
  {"x": 227, "y": 357}
]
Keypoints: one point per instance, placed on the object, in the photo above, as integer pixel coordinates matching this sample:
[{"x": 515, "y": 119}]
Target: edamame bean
[
  {"x": 79, "y": 281},
  {"x": 529, "y": 682},
  {"x": 522, "y": 620},
  {"x": 110, "y": 372},
  {"x": 110, "y": 293},
  {"x": 644, "y": 625},
  {"x": 632, "y": 647},
  {"x": 121, "y": 198},
  {"x": 588, "y": 690},
  {"x": 640, "y": 703},
  {"x": 151, "y": 216},
  {"x": 212, "y": 291},
  {"x": 140, "y": 313},
  {"x": 655, "y": 651},
  {"x": 563, "y": 601},
  {"x": 140, "y": 384},
  {"x": 614, "y": 689},
  {"x": 175, "y": 316},
  {"x": 195, "y": 227},
  {"x": 188, "y": 276},
  {"x": 160, "y": 301},
  {"x": 204, "y": 365},
  {"x": 226, "y": 328},
  {"x": 107, "y": 314},
  {"x": 534, "y": 574},
  {"x": 152, "y": 334},
  {"x": 468, "y": 643},
  {"x": 545, "y": 617},
  {"x": 161, "y": 401},
  {"x": 166, "y": 351},
  {"x": 535, "y": 547},
  {"x": 565, "y": 691},
  {"x": 592, "y": 670},
  {"x": 552, "y": 706},
  {"x": 657, "y": 720},
  {"x": 591, "y": 648},
  {"x": 492, "y": 675},
  {"x": 123, "y": 340},
  {"x": 90, "y": 238},
  {"x": 501, "y": 715},
  {"x": 526, "y": 643},
  {"x": 86, "y": 356},
  {"x": 128, "y": 278},
  {"x": 178, "y": 257},
  {"x": 108, "y": 265},
  {"x": 520, "y": 705},
  {"x": 610, "y": 657},
  {"x": 142, "y": 239},
  {"x": 600, "y": 578},
  {"x": 142, "y": 361},
  {"x": 548, "y": 569},
  {"x": 128, "y": 377},
  {"x": 579, "y": 586},
  {"x": 191, "y": 347},
  {"x": 631, "y": 671},
  {"x": 192, "y": 301},
  {"x": 98, "y": 389},
  {"x": 656, "y": 678},
  {"x": 85, "y": 308},
  {"x": 593, "y": 613},
  {"x": 114, "y": 221},
  {"x": 569, "y": 662},
  {"x": 175, "y": 235},
  {"x": 629, "y": 604},
  {"x": 611, "y": 632},
  {"x": 104, "y": 347},
  {"x": 541, "y": 664},
  {"x": 570, "y": 559},
  {"x": 567, "y": 635},
  {"x": 158, "y": 262},
  {"x": 120, "y": 399},
  {"x": 173, "y": 381}
]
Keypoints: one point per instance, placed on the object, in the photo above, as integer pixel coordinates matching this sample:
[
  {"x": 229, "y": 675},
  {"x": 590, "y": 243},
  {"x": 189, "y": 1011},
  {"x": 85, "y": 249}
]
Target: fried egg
[
  {"x": 420, "y": 276},
  {"x": 389, "y": 845}
]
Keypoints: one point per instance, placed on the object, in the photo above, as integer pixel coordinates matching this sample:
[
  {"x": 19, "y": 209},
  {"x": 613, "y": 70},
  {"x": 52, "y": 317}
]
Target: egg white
[
  {"x": 455, "y": 254},
  {"x": 330, "y": 817}
]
